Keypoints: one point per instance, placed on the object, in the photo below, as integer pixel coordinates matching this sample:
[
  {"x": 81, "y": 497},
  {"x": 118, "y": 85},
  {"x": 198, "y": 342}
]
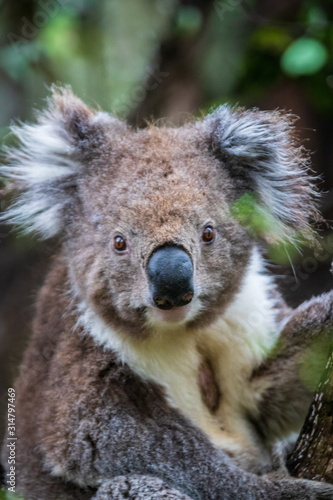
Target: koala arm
[{"x": 287, "y": 380}]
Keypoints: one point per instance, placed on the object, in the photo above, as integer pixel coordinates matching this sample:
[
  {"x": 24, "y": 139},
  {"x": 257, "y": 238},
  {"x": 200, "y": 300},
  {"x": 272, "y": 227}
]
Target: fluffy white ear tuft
[
  {"x": 259, "y": 150},
  {"x": 40, "y": 167},
  {"x": 43, "y": 168}
]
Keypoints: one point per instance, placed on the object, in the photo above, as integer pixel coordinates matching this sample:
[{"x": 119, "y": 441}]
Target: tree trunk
[{"x": 312, "y": 457}]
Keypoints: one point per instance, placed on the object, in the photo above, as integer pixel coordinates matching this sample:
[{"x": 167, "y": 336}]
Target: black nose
[{"x": 170, "y": 272}]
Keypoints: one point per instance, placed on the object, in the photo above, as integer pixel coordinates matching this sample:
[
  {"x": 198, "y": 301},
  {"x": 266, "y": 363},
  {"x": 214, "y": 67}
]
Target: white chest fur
[{"x": 234, "y": 346}]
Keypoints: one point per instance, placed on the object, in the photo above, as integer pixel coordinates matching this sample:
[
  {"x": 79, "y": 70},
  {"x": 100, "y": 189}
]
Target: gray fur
[{"x": 137, "y": 488}]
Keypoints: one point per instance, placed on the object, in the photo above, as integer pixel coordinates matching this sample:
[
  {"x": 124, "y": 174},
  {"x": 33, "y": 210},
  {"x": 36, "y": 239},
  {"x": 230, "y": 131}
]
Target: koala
[{"x": 163, "y": 361}]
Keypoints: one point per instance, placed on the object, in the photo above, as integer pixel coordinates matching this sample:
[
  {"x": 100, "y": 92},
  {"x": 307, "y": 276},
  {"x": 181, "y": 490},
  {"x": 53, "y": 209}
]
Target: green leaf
[
  {"x": 283, "y": 252},
  {"x": 256, "y": 217},
  {"x": 305, "y": 56},
  {"x": 252, "y": 214}
]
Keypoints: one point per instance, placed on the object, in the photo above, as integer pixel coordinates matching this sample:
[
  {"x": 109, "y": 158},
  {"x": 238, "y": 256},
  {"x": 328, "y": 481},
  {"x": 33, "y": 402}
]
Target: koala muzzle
[{"x": 170, "y": 273}]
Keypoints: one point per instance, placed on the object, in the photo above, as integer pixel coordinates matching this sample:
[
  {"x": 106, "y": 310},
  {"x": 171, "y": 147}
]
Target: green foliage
[
  {"x": 259, "y": 221},
  {"x": 284, "y": 252},
  {"x": 252, "y": 214},
  {"x": 299, "y": 47},
  {"x": 103, "y": 49},
  {"x": 312, "y": 362},
  {"x": 7, "y": 495},
  {"x": 305, "y": 56},
  {"x": 256, "y": 217}
]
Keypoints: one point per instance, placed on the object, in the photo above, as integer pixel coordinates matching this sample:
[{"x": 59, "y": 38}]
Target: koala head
[{"x": 147, "y": 218}]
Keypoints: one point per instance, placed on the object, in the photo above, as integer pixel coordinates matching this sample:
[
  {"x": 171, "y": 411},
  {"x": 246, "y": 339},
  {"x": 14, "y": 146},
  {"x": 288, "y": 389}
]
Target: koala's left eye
[
  {"x": 208, "y": 235},
  {"x": 119, "y": 244}
]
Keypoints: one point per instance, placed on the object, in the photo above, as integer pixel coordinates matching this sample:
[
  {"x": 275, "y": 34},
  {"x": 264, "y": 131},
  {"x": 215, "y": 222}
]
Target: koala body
[{"x": 164, "y": 363}]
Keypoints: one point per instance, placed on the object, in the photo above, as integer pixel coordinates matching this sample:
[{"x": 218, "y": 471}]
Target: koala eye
[
  {"x": 208, "y": 234},
  {"x": 119, "y": 244}
]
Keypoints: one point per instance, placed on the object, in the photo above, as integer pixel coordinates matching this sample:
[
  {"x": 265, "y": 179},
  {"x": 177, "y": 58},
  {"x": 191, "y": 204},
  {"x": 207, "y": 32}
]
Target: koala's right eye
[{"x": 119, "y": 244}]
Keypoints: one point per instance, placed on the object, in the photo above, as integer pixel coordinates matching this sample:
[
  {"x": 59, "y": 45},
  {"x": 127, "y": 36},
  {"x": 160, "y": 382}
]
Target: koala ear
[
  {"x": 52, "y": 153},
  {"x": 258, "y": 149}
]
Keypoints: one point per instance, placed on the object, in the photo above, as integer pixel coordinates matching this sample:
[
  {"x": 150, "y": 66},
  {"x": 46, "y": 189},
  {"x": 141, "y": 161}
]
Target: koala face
[
  {"x": 146, "y": 216},
  {"x": 181, "y": 255}
]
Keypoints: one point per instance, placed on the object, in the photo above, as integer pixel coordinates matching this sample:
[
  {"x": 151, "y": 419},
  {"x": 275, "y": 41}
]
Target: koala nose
[{"x": 170, "y": 273}]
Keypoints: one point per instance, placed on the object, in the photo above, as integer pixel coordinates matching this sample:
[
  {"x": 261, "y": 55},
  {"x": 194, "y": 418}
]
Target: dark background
[{"x": 146, "y": 59}]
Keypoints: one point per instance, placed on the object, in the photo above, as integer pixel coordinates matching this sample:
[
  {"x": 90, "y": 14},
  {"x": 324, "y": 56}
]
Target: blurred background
[{"x": 147, "y": 59}]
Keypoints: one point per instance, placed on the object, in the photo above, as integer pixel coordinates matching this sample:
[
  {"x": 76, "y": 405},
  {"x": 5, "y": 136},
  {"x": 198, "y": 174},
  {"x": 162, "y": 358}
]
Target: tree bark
[{"x": 312, "y": 457}]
